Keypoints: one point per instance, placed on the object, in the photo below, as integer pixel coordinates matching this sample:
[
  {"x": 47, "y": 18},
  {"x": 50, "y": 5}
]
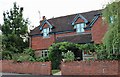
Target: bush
[
  {"x": 29, "y": 51},
  {"x": 69, "y": 56},
  {"x": 42, "y": 59},
  {"x": 25, "y": 57},
  {"x": 6, "y": 55}
]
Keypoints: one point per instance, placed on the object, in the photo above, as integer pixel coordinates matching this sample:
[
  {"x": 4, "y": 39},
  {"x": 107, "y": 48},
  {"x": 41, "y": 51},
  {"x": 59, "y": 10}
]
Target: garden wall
[
  {"x": 90, "y": 68},
  {"x": 35, "y": 68}
]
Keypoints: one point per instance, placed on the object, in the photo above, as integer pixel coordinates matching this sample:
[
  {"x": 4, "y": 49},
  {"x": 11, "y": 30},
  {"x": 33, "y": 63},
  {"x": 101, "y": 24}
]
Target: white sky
[{"x": 51, "y": 8}]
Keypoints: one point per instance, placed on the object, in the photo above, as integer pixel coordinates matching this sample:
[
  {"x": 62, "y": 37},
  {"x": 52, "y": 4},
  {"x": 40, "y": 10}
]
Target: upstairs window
[
  {"x": 45, "y": 32},
  {"x": 79, "y": 27}
]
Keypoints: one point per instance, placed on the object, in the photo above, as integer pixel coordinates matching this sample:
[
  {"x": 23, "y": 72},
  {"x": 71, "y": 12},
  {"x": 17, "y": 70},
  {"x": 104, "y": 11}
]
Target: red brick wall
[
  {"x": 88, "y": 31},
  {"x": 90, "y": 68},
  {"x": 39, "y": 42},
  {"x": 35, "y": 68},
  {"x": 79, "y": 20},
  {"x": 46, "y": 26},
  {"x": 98, "y": 30}
]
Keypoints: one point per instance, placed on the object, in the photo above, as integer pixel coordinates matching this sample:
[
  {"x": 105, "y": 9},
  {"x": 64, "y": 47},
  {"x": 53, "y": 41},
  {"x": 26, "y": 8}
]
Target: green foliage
[
  {"x": 28, "y": 55},
  {"x": 14, "y": 30},
  {"x": 101, "y": 52},
  {"x": 6, "y": 55},
  {"x": 21, "y": 57},
  {"x": 86, "y": 47},
  {"x": 55, "y": 52},
  {"x": 69, "y": 56},
  {"x": 112, "y": 37},
  {"x": 42, "y": 59},
  {"x": 29, "y": 51}
]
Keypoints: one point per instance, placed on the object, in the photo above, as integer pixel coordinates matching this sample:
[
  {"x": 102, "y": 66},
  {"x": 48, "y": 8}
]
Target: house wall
[
  {"x": 79, "y": 20},
  {"x": 98, "y": 30},
  {"x": 35, "y": 68},
  {"x": 39, "y": 42},
  {"x": 45, "y": 26},
  {"x": 90, "y": 68}
]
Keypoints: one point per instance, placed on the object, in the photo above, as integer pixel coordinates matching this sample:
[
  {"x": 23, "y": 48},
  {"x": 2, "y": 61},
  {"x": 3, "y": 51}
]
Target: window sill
[
  {"x": 46, "y": 37},
  {"x": 80, "y": 32}
]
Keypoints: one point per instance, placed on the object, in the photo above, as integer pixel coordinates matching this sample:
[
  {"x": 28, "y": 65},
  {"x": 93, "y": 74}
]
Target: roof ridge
[{"x": 74, "y": 14}]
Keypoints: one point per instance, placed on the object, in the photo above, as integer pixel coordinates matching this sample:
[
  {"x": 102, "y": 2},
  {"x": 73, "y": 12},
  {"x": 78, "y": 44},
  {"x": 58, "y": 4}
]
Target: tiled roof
[
  {"x": 64, "y": 23},
  {"x": 77, "y": 38}
]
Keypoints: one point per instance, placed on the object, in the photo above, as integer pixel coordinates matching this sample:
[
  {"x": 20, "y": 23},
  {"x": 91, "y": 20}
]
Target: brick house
[{"x": 78, "y": 28}]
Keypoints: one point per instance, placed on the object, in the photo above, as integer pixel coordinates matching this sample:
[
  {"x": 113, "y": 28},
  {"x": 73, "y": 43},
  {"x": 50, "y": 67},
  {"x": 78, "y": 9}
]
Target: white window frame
[
  {"x": 79, "y": 27},
  {"x": 46, "y": 32},
  {"x": 44, "y": 53}
]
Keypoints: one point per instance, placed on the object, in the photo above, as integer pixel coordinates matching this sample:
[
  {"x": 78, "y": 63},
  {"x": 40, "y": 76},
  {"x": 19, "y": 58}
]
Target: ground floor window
[{"x": 44, "y": 53}]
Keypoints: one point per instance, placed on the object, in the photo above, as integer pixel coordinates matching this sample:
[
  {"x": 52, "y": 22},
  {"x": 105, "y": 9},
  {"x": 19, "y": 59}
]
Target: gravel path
[{"x": 58, "y": 73}]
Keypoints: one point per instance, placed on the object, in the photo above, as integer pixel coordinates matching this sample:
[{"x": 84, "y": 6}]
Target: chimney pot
[{"x": 44, "y": 17}]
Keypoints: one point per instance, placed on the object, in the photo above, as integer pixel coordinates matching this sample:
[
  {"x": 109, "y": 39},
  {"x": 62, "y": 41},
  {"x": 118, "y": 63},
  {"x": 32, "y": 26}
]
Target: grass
[{"x": 55, "y": 71}]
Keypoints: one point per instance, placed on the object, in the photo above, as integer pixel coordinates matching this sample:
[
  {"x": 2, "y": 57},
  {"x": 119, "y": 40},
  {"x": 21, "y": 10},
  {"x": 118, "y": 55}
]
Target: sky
[{"x": 35, "y": 9}]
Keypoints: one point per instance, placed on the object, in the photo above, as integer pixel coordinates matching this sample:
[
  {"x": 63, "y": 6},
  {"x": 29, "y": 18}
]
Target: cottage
[{"x": 78, "y": 28}]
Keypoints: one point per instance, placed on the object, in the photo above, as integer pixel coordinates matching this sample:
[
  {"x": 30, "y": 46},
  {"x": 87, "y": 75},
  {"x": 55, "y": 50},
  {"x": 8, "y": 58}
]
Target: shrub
[
  {"x": 29, "y": 51},
  {"x": 6, "y": 55},
  {"x": 42, "y": 59},
  {"x": 69, "y": 56}
]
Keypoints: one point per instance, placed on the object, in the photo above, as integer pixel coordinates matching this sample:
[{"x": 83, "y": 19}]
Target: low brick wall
[
  {"x": 35, "y": 68},
  {"x": 90, "y": 68}
]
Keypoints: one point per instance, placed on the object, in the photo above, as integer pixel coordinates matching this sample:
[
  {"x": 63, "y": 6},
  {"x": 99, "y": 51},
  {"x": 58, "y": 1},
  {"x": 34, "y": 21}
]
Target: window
[
  {"x": 44, "y": 53},
  {"x": 79, "y": 27},
  {"x": 45, "y": 32},
  {"x": 111, "y": 19}
]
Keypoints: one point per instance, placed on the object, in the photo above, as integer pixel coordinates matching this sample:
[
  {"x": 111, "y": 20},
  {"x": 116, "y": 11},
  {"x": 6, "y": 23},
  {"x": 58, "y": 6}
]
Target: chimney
[{"x": 44, "y": 18}]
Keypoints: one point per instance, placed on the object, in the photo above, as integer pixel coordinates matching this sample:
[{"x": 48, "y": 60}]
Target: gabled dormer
[
  {"x": 79, "y": 22},
  {"x": 45, "y": 28},
  {"x": 79, "y": 18}
]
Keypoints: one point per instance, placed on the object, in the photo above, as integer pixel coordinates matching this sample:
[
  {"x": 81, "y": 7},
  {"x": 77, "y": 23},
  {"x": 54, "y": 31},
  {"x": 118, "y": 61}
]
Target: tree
[
  {"x": 112, "y": 37},
  {"x": 14, "y": 30}
]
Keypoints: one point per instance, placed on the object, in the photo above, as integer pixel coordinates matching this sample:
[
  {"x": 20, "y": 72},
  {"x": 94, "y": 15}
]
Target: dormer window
[
  {"x": 46, "y": 32},
  {"x": 79, "y": 27}
]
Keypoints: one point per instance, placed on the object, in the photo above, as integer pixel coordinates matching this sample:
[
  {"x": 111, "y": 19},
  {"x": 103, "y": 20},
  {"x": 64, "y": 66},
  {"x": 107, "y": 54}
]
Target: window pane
[
  {"x": 44, "y": 53},
  {"x": 46, "y": 32},
  {"x": 80, "y": 27}
]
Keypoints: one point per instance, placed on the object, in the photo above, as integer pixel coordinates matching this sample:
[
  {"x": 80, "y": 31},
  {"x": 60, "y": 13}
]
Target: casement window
[
  {"x": 46, "y": 32},
  {"x": 44, "y": 53},
  {"x": 79, "y": 27},
  {"x": 111, "y": 19}
]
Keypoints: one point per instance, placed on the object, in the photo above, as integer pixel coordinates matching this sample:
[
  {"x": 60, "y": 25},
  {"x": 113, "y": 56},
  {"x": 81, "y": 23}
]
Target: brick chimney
[{"x": 43, "y": 18}]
